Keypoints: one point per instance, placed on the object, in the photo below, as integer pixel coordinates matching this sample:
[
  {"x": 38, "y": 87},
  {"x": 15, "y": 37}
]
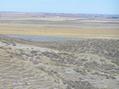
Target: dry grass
[{"x": 29, "y": 29}]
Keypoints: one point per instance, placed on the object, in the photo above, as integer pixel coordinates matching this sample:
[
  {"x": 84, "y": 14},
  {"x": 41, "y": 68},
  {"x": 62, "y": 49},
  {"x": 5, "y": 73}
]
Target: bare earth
[{"x": 82, "y": 63}]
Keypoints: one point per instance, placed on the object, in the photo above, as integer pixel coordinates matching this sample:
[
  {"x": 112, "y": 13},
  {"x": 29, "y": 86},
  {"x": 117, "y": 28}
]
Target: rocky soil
[{"x": 82, "y": 64}]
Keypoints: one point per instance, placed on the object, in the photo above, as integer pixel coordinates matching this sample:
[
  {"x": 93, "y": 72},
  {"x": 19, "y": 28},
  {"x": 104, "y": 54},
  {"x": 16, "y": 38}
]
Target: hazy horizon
[{"x": 57, "y": 13}]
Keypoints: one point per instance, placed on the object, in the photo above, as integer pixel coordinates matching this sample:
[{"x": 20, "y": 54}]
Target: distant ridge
[{"x": 45, "y": 14}]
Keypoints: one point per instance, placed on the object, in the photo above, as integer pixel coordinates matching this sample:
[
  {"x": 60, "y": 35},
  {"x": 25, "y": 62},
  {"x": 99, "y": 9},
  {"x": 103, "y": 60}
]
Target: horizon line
[{"x": 57, "y": 12}]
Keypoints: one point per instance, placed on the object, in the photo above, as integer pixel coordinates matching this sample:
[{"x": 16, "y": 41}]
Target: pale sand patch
[{"x": 29, "y": 29}]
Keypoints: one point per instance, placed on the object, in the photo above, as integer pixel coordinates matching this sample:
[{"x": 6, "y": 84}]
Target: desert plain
[{"x": 86, "y": 57}]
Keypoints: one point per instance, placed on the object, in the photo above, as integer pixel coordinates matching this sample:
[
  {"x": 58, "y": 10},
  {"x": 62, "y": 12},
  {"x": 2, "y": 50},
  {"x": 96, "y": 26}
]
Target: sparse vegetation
[{"x": 81, "y": 64}]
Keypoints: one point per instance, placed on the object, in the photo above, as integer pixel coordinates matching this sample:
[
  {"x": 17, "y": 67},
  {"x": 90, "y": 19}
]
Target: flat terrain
[
  {"x": 59, "y": 25},
  {"x": 57, "y": 31}
]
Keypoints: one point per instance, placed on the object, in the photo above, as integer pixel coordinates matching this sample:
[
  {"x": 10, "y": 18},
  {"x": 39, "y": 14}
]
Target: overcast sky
[{"x": 62, "y": 6}]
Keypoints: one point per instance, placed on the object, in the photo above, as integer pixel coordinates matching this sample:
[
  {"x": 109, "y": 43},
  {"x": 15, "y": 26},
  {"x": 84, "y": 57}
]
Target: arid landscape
[
  {"x": 68, "y": 25},
  {"x": 59, "y": 51}
]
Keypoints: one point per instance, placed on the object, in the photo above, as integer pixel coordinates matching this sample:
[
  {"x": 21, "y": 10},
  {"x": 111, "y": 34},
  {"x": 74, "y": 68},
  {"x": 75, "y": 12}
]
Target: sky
[{"x": 62, "y": 6}]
